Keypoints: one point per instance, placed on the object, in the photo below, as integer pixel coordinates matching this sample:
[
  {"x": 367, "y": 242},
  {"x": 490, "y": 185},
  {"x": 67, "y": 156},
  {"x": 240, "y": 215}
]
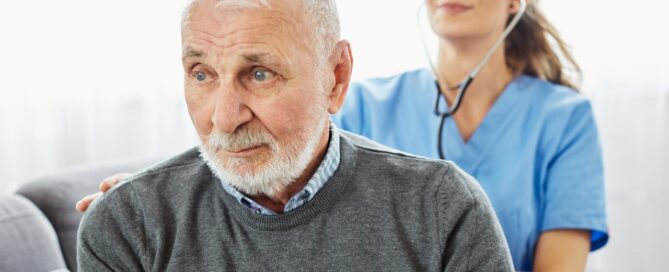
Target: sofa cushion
[
  {"x": 29, "y": 242},
  {"x": 57, "y": 194}
]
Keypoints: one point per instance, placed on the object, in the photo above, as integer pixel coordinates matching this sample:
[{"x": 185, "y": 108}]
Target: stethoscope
[{"x": 468, "y": 80}]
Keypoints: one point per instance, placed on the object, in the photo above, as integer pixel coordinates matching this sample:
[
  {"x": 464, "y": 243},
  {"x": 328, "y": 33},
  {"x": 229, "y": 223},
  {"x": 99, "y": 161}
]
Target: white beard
[{"x": 285, "y": 165}]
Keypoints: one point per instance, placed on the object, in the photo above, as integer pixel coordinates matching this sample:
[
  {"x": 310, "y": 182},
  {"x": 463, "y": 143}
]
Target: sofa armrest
[
  {"x": 29, "y": 242},
  {"x": 57, "y": 194}
]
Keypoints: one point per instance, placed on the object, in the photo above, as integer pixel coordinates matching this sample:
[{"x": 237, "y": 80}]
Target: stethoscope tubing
[{"x": 464, "y": 85}]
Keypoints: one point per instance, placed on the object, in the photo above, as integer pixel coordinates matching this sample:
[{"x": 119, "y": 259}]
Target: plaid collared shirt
[{"x": 323, "y": 173}]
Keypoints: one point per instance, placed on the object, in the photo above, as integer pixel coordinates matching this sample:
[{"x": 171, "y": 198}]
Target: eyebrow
[
  {"x": 259, "y": 58},
  {"x": 191, "y": 53},
  {"x": 264, "y": 59},
  {"x": 256, "y": 58}
]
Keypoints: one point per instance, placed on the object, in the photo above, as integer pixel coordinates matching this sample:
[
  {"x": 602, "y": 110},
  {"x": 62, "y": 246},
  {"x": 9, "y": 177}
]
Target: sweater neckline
[{"x": 323, "y": 200}]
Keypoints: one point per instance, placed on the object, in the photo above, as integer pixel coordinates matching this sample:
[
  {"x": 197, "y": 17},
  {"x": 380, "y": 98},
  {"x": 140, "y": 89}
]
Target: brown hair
[{"x": 535, "y": 48}]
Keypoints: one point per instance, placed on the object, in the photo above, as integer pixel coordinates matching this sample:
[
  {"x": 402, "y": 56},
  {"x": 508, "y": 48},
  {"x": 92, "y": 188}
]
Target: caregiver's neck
[
  {"x": 457, "y": 58},
  {"x": 455, "y": 62}
]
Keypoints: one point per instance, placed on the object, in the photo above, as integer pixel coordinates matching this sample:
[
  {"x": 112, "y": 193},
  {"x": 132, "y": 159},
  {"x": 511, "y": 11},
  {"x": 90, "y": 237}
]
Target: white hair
[{"x": 322, "y": 19}]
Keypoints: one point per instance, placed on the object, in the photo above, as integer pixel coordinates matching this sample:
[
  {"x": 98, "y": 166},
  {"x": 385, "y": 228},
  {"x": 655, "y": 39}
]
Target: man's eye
[
  {"x": 262, "y": 75},
  {"x": 200, "y": 76}
]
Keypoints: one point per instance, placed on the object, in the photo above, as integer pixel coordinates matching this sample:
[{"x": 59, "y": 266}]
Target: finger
[
  {"x": 109, "y": 182},
  {"x": 83, "y": 204}
]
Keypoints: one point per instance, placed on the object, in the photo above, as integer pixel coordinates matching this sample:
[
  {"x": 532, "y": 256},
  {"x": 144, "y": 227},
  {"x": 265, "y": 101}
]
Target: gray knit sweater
[{"x": 381, "y": 211}]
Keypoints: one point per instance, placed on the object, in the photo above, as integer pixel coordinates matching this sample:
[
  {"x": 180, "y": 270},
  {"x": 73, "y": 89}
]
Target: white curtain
[
  {"x": 89, "y": 82},
  {"x": 39, "y": 139}
]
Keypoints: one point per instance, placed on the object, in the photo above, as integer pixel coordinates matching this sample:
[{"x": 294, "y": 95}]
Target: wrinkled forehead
[
  {"x": 217, "y": 35},
  {"x": 231, "y": 16},
  {"x": 213, "y": 25}
]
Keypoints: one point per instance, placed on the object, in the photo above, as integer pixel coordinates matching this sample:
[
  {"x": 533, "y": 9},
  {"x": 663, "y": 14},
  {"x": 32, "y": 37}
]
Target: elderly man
[{"x": 275, "y": 186}]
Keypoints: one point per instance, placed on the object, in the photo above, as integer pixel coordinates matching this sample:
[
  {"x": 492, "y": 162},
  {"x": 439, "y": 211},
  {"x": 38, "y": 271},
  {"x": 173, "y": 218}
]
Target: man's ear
[{"x": 343, "y": 68}]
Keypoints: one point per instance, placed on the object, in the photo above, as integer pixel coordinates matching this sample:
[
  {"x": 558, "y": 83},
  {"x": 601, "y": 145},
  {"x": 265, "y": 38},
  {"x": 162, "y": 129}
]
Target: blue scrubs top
[{"x": 536, "y": 154}]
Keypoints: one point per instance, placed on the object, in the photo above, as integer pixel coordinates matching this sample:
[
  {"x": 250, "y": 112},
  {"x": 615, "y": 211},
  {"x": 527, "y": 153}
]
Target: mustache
[{"x": 242, "y": 138}]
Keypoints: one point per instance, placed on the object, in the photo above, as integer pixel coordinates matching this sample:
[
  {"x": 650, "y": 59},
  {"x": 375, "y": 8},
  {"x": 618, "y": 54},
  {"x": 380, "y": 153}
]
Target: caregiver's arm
[{"x": 562, "y": 250}]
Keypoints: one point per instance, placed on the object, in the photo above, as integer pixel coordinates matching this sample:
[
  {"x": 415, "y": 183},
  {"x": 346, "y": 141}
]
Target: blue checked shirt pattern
[{"x": 326, "y": 169}]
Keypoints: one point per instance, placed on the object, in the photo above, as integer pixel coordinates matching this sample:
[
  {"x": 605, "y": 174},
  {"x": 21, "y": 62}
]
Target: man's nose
[{"x": 231, "y": 110}]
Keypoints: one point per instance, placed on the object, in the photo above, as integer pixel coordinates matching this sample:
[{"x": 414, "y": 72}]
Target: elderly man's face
[{"x": 254, "y": 92}]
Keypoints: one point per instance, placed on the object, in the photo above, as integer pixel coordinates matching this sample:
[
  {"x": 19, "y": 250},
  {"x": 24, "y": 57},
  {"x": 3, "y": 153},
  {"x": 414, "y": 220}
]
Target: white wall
[
  {"x": 88, "y": 82},
  {"x": 621, "y": 46},
  {"x": 94, "y": 81}
]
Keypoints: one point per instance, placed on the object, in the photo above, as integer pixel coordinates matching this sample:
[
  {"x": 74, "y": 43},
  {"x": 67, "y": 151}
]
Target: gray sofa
[{"x": 38, "y": 224}]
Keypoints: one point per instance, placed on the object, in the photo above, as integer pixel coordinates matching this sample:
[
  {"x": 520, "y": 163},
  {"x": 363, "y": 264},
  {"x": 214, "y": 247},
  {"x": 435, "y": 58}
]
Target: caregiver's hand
[{"x": 105, "y": 185}]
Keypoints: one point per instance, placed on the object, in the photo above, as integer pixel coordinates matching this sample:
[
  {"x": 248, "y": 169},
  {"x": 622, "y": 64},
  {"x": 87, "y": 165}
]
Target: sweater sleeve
[
  {"x": 111, "y": 234},
  {"x": 473, "y": 237}
]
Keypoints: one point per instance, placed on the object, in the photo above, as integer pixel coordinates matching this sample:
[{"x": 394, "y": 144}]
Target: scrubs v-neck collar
[{"x": 469, "y": 154}]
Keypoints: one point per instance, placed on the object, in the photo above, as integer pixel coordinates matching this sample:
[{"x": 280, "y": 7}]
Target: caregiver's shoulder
[
  {"x": 385, "y": 86},
  {"x": 554, "y": 98}
]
